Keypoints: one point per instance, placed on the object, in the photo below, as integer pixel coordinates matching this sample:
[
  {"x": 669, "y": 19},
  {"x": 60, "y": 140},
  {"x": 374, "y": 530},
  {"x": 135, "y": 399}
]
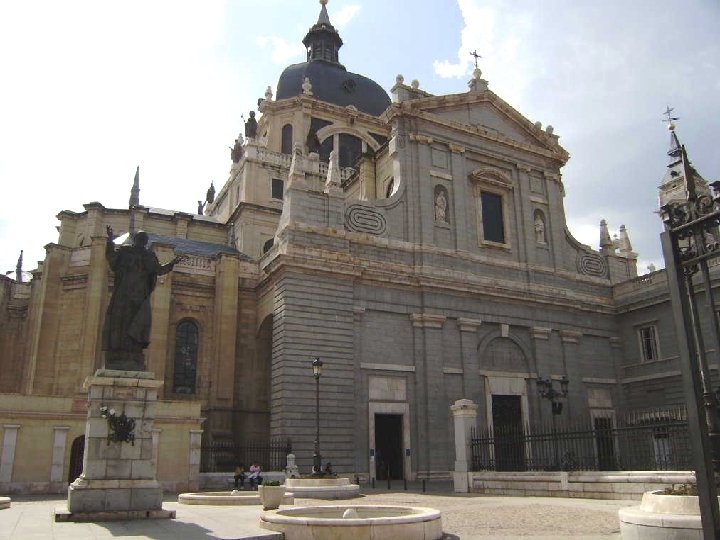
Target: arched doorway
[{"x": 77, "y": 452}]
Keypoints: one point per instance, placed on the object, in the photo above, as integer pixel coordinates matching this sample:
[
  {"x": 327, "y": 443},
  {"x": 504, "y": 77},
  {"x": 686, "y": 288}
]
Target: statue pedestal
[{"x": 118, "y": 479}]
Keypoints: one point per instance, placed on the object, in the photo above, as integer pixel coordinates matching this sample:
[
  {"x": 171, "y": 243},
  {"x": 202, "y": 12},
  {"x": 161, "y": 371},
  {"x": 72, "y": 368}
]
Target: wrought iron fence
[
  {"x": 644, "y": 442},
  {"x": 224, "y": 456}
]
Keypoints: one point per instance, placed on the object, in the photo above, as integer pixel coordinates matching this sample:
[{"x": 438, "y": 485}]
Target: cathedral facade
[{"x": 415, "y": 243}]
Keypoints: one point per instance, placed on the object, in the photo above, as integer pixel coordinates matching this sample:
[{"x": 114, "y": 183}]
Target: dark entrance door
[
  {"x": 604, "y": 444},
  {"x": 388, "y": 446},
  {"x": 508, "y": 433},
  {"x": 77, "y": 451}
]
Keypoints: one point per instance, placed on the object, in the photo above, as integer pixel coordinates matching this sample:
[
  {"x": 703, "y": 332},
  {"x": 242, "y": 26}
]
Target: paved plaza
[{"x": 464, "y": 516}]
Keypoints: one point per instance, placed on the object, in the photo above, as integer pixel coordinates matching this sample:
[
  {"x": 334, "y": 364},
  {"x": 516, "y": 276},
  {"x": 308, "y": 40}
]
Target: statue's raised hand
[{"x": 109, "y": 231}]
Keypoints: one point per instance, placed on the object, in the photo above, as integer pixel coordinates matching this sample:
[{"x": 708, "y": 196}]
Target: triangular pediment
[{"x": 489, "y": 115}]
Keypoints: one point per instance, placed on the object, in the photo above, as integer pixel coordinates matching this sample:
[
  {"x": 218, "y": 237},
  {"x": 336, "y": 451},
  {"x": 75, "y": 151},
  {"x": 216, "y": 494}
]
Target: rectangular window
[
  {"x": 648, "y": 343},
  {"x": 492, "y": 217},
  {"x": 277, "y": 188}
]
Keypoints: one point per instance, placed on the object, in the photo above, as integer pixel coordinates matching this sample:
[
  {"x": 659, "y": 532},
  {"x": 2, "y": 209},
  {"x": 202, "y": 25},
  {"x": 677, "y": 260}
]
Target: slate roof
[{"x": 195, "y": 247}]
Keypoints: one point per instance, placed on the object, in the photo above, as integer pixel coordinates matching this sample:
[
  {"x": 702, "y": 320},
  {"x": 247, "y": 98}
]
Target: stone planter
[
  {"x": 271, "y": 496},
  {"x": 662, "y": 517}
]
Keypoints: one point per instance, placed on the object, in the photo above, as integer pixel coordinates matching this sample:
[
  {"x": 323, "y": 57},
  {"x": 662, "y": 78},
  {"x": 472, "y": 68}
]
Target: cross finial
[
  {"x": 668, "y": 113},
  {"x": 475, "y": 55}
]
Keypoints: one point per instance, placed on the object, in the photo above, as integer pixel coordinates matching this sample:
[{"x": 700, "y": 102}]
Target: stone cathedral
[{"x": 415, "y": 243}]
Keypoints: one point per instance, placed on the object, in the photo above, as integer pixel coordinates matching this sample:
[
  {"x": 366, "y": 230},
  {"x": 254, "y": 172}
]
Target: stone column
[
  {"x": 58, "y": 459},
  {"x": 194, "y": 459},
  {"x": 7, "y": 461},
  {"x": 118, "y": 478},
  {"x": 464, "y": 413}
]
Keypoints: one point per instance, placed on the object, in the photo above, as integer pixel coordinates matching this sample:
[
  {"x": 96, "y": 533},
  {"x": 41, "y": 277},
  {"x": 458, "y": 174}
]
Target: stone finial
[
  {"x": 296, "y": 174},
  {"x": 651, "y": 268},
  {"x": 307, "y": 87},
  {"x": 477, "y": 74},
  {"x": 538, "y": 124},
  {"x": 549, "y": 129},
  {"x": 332, "y": 182},
  {"x": 18, "y": 268},
  {"x": 399, "y": 79},
  {"x": 268, "y": 94},
  {"x": 624, "y": 245},
  {"x": 415, "y": 84},
  {"x": 606, "y": 244}
]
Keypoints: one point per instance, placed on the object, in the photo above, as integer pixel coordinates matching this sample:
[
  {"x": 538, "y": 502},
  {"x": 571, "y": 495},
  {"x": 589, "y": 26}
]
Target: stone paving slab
[{"x": 465, "y": 516}]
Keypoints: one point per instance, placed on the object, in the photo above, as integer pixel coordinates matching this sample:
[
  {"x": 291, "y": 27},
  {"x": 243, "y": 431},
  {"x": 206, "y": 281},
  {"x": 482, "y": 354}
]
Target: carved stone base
[
  {"x": 118, "y": 478},
  {"x": 108, "y": 496}
]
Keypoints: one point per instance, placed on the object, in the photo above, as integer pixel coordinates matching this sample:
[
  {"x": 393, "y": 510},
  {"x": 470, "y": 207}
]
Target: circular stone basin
[
  {"x": 662, "y": 517},
  {"x": 322, "y": 488},
  {"x": 372, "y": 522},
  {"x": 221, "y": 498}
]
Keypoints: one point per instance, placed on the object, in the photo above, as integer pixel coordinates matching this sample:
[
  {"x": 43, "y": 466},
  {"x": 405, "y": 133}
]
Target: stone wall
[{"x": 37, "y": 435}]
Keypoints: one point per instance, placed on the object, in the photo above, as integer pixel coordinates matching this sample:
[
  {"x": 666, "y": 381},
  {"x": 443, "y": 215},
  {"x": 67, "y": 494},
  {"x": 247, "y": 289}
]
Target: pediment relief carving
[{"x": 491, "y": 176}]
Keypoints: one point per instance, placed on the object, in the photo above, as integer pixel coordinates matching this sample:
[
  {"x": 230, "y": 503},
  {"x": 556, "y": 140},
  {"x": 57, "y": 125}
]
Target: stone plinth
[{"x": 118, "y": 478}]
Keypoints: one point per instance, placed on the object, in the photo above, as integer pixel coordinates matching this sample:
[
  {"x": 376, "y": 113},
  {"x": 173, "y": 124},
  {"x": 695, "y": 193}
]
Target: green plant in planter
[
  {"x": 681, "y": 489},
  {"x": 271, "y": 483}
]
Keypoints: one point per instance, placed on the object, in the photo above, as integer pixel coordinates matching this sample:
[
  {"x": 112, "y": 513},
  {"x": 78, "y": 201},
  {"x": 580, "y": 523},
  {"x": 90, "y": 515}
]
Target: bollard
[
  {"x": 373, "y": 482},
  {"x": 404, "y": 483},
  {"x": 423, "y": 488}
]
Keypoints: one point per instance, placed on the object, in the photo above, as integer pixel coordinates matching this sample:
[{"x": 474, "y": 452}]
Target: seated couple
[{"x": 253, "y": 475}]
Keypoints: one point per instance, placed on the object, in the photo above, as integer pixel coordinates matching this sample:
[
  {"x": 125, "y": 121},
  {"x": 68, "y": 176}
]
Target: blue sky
[{"x": 92, "y": 89}]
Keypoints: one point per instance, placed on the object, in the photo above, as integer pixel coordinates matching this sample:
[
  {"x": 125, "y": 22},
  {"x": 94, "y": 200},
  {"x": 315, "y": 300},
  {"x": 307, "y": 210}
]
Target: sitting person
[
  {"x": 328, "y": 469},
  {"x": 255, "y": 477},
  {"x": 240, "y": 476}
]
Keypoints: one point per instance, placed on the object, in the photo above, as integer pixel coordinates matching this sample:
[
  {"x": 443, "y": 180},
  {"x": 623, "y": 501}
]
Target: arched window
[
  {"x": 186, "y": 350},
  {"x": 287, "y": 142}
]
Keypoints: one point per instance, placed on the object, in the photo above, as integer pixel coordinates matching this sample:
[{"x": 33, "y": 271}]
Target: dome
[{"x": 332, "y": 83}]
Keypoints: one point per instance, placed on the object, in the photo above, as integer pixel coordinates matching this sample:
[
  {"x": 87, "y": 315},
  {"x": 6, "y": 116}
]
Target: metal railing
[
  {"x": 224, "y": 456},
  {"x": 652, "y": 444}
]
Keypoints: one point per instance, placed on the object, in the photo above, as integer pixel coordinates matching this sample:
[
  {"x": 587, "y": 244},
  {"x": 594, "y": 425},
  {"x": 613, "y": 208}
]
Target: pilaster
[
  {"x": 432, "y": 422},
  {"x": 57, "y": 467},
  {"x": 95, "y": 296},
  {"x": 157, "y": 352},
  {"x": 471, "y": 383},
  {"x": 225, "y": 325},
  {"x": 7, "y": 460}
]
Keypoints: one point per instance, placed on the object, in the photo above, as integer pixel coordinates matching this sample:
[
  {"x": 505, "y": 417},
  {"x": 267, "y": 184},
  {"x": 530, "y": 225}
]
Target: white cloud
[
  {"x": 496, "y": 33},
  {"x": 341, "y": 18},
  {"x": 282, "y": 51}
]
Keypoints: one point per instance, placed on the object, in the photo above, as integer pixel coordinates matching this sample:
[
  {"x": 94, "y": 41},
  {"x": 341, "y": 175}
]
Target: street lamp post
[
  {"x": 317, "y": 458},
  {"x": 546, "y": 391}
]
